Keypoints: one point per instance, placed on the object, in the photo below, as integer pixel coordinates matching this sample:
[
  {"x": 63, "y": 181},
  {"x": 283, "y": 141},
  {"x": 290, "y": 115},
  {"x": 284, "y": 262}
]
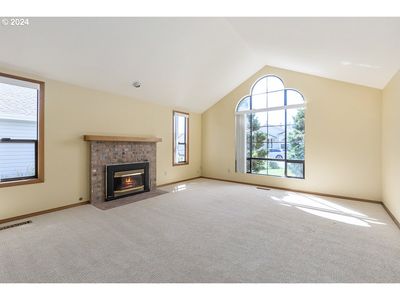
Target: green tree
[
  {"x": 258, "y": 143},
  {"x": 295, "y": 142}
]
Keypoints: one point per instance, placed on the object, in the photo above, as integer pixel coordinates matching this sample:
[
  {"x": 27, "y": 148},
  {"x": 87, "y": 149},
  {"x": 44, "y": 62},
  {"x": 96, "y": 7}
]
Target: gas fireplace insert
[{"x": 127, "y": 179}]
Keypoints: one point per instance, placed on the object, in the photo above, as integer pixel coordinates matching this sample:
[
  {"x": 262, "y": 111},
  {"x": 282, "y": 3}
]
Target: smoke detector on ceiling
[{"x": 137, "y": 84}]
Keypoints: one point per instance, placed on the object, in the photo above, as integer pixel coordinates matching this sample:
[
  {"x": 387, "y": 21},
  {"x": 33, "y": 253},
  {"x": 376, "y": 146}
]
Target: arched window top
[
  {"x": 244, "y": 104},
  {"x": 267, "y": 84},
  {"x": 269, "y": 92},
  {"x": 294, "y": 97}
]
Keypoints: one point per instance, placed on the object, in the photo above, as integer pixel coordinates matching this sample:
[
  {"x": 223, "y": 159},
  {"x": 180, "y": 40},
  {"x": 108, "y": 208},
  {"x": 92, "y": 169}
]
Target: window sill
[
  {"x": 21, "y": 182},
  {"x": 180, "y": 164},
  {"x": 275, "y": 176}
]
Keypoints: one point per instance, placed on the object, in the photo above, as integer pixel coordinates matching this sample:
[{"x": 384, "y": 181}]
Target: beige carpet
[
  {"x": 208, "y": 231},
  {"x": 128, "y": 200}
]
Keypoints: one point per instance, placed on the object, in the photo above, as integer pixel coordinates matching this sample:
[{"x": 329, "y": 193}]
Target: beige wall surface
[
  {"x": 342, "y": 141},
  {"x": 72, "y": 111},
  {"x": 391, "y": 145}
]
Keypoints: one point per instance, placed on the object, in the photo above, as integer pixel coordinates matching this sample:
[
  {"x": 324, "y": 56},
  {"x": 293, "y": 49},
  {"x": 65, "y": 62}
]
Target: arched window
[{"x": 270, "y": 130}]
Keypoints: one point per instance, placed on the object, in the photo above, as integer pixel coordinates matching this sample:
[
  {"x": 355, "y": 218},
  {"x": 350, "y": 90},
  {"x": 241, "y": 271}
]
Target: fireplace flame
[{"x": 128, "y": 180}]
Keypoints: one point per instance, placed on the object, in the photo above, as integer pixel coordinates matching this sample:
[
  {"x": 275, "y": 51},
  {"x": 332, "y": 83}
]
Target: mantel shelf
[{"x": 112, "y": 138}]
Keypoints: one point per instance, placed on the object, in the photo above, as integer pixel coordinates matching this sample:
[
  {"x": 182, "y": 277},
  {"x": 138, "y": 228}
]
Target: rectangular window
[
  {"x": 21, "y": 130},
  {"x": 181, "y": 138}
]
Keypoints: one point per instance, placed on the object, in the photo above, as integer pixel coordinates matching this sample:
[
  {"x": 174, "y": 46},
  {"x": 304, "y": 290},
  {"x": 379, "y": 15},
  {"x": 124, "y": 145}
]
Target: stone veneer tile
[{"x": 105, "y": 153}]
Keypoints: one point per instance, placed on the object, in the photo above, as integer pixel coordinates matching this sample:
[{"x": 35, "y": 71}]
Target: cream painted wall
[
  {"x": 391, "y": 145},
  {"x": 343, "y": 140},
  {"x": 343, "y": 137},
  {"x": 72, "y": 111}
]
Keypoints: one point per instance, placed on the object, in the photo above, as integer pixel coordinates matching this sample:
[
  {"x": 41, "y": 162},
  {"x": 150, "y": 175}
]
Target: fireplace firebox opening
[{"x": 124, "y": 180}]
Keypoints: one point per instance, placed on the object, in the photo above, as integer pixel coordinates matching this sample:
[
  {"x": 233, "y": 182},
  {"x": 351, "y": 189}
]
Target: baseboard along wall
[
  {"x": 211, "y": 178},
  {"x": 312, "y": 193},
  {"x": 37, "y": 213}
]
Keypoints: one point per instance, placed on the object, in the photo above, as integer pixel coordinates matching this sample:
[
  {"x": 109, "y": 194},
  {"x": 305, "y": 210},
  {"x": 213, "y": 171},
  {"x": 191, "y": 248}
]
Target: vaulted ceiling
[{"x": 193, "y": 62}]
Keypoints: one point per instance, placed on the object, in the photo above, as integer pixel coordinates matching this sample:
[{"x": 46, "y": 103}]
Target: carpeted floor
[{"x": 208, "y": 231}]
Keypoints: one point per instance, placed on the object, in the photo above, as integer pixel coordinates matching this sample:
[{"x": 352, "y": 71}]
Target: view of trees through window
[{"x": 274, "y": 123}]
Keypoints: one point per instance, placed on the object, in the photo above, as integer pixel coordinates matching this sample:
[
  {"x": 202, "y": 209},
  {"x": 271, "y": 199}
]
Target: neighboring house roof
[
  {"x": 277, "y": 133},
  {"x": 18, "y": 103}
]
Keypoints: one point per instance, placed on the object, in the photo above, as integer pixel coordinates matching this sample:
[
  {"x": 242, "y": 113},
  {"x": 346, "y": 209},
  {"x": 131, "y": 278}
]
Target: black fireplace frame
[{"x": 112, "y": 169}]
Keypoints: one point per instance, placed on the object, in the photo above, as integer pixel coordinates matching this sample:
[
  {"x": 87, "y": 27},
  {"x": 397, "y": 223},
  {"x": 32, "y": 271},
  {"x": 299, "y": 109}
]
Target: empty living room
[{"x": 184, "y": 149}]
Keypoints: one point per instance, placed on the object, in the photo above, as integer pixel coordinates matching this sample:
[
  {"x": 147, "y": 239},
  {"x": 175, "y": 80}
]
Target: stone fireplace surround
[{"x": 105, "y": 150}]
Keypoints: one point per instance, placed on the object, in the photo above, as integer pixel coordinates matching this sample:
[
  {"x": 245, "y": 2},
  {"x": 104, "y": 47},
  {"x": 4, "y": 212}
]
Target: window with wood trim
[
  {"x": 180, "y": 138},
  {"x": 21, "y": 130}
]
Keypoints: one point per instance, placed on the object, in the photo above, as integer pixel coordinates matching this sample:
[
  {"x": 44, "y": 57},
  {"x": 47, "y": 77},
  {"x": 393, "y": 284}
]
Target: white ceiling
[{"x": 191, "y": 63}]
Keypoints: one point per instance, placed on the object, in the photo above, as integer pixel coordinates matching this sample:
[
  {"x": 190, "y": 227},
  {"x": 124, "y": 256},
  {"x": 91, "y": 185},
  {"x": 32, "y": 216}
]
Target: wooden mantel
[{"x": 112, "y": 138}]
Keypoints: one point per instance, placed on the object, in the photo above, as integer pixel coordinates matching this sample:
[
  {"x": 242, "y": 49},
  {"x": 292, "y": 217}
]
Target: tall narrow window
[
  {"x": 270, "y": 130},
  {"x": 21, "y": 130},
  {"x": 181, "y": 138}
]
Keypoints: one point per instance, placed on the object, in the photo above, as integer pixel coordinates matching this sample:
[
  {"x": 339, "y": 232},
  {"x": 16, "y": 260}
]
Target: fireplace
[{"x": 127, "y": 179}]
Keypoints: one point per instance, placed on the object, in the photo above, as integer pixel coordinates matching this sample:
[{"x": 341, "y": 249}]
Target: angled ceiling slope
[{"x": 193, "y": 62}]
